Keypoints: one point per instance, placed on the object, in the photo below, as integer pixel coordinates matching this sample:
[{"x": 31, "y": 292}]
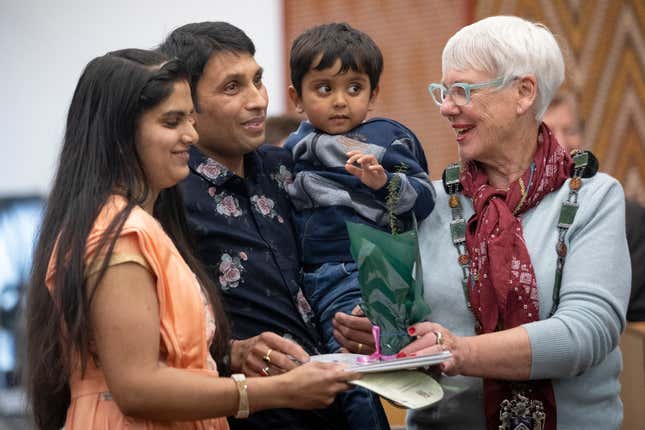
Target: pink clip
[{"x": 376, "y": 356}]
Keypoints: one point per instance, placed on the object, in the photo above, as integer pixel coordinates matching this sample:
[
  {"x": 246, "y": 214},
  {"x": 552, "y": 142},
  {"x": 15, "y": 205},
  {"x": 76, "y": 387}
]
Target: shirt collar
[{"x": 215, "y": 172}]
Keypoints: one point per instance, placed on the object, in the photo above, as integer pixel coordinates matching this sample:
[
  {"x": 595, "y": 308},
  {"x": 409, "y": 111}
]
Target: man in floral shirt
[{"x": 240, "y": 215}]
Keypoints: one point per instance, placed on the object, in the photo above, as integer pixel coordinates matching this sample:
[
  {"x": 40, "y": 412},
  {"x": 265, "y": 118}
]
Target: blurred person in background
[
  {"x": 278, "y": 128},
  {"x": 564, "y": 121},
  {"x": 563, "y": 118}
]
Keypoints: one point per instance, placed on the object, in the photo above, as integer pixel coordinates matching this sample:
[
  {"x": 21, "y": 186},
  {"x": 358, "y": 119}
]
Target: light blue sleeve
[{"x": 595, "y": 288}]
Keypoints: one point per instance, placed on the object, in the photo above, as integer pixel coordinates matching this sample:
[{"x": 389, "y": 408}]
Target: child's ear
[
  {"x": 373, "y": 98},
  {"x": 297, "y": 103}
]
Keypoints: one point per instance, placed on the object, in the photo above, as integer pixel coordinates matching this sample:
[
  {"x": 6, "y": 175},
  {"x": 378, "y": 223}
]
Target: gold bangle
[{"x": 243, "y": 404}]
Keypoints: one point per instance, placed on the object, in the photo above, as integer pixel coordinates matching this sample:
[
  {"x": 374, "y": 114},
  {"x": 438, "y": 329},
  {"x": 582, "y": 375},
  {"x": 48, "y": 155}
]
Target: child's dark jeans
[{"x": 331, "y": 288}]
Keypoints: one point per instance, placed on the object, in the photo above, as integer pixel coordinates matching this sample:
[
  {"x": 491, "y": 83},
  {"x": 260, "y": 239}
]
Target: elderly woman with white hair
[{"x": 526, "y": 265}]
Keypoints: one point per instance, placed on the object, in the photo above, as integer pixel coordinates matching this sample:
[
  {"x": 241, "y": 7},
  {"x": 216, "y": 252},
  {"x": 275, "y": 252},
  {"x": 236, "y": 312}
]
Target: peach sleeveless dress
[{"x": 186, "y": 323}]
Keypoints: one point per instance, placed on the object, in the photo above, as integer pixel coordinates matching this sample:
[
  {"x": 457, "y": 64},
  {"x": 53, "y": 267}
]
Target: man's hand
[
  {"x": 354, "y": 332},
  {"x": 266, "y": 354}
]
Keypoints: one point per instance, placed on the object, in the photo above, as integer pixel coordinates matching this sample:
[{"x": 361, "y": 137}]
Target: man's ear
[
  {"x": 527, "y": 93},
  {"x": 373, "y": 98},
  {"x": 293, "y": 96}
]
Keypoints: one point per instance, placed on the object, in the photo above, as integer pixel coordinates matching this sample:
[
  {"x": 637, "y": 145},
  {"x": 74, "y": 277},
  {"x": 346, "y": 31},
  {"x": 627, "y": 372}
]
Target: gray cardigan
[{"x": 578, "y": 347}]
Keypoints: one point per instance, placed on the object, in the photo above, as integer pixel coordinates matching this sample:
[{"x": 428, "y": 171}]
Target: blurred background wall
[
  {"x": 45, "y": 45},
  {"x": 604, "y": 42}
]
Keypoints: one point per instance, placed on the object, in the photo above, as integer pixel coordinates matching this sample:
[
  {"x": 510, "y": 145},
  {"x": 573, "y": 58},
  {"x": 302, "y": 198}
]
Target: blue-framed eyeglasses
[{"x": 459, "y": 92}]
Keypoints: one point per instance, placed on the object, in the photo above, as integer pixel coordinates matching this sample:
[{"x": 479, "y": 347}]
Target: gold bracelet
[{"x": 243, "y": 404}]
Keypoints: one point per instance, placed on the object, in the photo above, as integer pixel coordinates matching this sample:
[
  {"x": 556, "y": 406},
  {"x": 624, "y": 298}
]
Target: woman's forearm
[
  {"x": 167, "y": 393},
  {"x": 501, "y": 355}
]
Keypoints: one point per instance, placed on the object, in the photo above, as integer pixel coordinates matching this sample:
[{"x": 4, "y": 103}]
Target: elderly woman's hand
[
  {"x": 354, "y": 332},
  {"x": 266, "y": 354},
  {"x": 432, "y": 338}
]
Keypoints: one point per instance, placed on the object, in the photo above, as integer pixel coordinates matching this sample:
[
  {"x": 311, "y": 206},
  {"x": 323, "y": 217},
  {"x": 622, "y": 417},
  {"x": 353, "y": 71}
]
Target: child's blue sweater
[{"x": 325, "y": 195}]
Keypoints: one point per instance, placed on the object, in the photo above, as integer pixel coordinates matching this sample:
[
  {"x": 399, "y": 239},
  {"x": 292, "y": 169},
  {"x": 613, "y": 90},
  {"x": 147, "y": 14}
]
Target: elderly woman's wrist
[{"x": 467, "y": 363}]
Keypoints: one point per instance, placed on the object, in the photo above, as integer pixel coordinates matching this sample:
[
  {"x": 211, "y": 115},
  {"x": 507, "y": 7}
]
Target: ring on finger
[
  {"x": 359, "y": 348},
  {"x": 267, "y": 356},
  {"x": 265, "y": 371},
  {"x": 439, "y": 337}
]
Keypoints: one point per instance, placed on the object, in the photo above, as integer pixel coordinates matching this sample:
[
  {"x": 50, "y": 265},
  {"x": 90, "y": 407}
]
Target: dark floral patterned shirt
[{"x": 244, "y": 235}]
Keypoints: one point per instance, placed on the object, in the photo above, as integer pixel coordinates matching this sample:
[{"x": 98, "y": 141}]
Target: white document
[
  {"x": 411, "y": 389},
  {"x": 355, "y": 365},
  {"x": 395, "y": 379}
]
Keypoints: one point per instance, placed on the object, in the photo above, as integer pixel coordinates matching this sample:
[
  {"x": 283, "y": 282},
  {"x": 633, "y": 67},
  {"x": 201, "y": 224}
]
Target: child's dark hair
[{"x": 355, "y": 49}]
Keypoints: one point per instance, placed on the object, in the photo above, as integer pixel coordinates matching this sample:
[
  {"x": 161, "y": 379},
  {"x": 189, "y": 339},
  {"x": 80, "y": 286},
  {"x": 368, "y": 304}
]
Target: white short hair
[{"x": 509, "y": 46}]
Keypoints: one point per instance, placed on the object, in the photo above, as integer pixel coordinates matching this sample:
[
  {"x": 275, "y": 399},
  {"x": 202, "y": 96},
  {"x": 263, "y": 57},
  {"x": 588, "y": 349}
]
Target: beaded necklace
[{"x": 585, "y": 165}]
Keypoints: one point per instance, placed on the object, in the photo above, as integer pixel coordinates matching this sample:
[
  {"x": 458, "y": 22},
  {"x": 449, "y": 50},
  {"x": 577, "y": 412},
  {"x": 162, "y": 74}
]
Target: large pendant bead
[
  {"x": 575, "y": 184},
  {"x": 464, "y": 259},
  {"x": 561, "y": 249}
]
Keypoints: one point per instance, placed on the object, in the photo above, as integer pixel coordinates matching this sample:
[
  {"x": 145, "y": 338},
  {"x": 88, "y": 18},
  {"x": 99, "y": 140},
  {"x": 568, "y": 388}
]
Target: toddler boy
[
  {"x": 344, "y": 167},
  {"x": 371, "y": 172}
]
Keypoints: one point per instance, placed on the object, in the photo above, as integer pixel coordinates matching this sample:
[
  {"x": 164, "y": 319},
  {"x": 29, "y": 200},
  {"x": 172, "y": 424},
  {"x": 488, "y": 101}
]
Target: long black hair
[{"x": 98, "y": 158}]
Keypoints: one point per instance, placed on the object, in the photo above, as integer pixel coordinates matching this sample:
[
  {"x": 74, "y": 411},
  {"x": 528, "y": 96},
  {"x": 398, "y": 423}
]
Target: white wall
[{"x": 45, "y": 44}]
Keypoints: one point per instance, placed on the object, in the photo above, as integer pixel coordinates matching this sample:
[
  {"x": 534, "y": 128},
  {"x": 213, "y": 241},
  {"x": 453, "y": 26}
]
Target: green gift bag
[{"x": 391, "y": 281}]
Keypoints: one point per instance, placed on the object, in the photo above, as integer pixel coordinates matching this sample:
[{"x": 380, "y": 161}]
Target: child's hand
[{"x": 367, "y": 169}]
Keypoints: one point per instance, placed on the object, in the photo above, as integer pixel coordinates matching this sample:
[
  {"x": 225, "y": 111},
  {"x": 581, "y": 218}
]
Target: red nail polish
[
  {"x": 401, "y": 354},
  {"x": 411, "y": 331}
]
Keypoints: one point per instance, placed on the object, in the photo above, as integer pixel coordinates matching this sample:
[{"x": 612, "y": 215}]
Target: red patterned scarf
[{"x": 503, "y": 291}]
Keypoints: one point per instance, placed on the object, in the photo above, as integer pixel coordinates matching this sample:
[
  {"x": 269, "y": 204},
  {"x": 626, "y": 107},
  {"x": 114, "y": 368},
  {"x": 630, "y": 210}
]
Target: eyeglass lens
[{"x": 456, "y": 93}]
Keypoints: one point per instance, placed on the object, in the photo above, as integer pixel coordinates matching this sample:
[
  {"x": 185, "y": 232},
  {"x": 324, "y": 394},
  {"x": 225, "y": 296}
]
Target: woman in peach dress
[{"x": 125, "y": 329}]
